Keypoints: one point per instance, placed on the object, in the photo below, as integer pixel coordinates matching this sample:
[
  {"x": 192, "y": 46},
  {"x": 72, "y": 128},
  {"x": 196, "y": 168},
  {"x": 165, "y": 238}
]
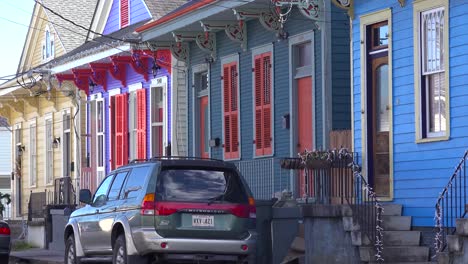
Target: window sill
[
  {"x": 432, "y": 139},
  {"x": 264, "y": 156}
]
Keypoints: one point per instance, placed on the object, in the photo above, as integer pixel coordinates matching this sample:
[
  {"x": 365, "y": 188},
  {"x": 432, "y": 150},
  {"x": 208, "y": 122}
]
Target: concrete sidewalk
[{"x": 37, "y": 256}]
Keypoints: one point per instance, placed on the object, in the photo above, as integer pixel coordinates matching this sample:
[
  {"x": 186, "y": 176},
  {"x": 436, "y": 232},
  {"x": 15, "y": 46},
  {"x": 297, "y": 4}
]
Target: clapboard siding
[
  {"x": 113, "y": 23},
  {"x": 420, "y": 170},
  {"x": 138, "y": 12},
  {"x": 5, "y": 151}
]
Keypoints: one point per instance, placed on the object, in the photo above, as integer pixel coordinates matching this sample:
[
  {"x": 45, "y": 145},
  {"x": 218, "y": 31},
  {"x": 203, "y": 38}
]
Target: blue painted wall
[
  {"x": 420, "y": 170},
  {"x": 257, "y": 36},
  {"x": 138, "y": 12}
]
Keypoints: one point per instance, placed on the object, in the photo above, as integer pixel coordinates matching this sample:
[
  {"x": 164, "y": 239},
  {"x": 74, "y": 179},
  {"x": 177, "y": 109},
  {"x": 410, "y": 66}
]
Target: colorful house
[
  {"x": 259, "y": 89},
  {"x": 409, "y": 99},
  {"x": 42, "y": 117},
  {"x": 129, "y": 90}
]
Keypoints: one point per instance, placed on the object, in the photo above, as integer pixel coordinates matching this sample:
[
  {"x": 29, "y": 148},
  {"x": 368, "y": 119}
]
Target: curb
[{"x": 28, "y": 260}]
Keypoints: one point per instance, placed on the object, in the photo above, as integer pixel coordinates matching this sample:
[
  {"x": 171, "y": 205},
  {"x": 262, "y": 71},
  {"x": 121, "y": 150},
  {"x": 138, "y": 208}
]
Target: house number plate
[{"x": 203, "y": 220}]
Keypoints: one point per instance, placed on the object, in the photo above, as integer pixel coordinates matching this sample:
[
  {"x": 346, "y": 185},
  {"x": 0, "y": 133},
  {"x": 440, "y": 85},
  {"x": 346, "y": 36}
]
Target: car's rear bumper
[
  {"x": 148, "y": 241},
  {"x": 4, "y": 245}
]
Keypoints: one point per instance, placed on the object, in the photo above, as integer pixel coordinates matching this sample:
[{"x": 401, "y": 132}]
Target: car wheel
[
  {"x": 120, "y": 251},
  {"x": 70, "y": 251}
]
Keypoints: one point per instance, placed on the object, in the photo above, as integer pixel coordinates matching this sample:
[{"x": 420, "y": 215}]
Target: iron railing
[
  {"x": 64, "y": 192},
  {"x": 451, "y": 205},
  {"x": 337, "y": 179}
]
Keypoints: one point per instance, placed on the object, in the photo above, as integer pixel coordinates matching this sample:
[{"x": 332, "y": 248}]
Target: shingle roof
[
  {"x": 79, "y": 11},
  {"x": 159, "y": 9}
]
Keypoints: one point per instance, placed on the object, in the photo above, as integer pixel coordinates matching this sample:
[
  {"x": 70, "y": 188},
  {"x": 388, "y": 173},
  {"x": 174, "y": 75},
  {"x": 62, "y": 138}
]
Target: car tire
[
  {"x": 120, "y": 251},
  {"x": 70, "y": 251}
]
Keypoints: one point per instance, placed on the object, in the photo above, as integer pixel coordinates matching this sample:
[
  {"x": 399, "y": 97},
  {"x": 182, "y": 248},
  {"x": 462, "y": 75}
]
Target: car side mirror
[{"x": 85, "y": 196}]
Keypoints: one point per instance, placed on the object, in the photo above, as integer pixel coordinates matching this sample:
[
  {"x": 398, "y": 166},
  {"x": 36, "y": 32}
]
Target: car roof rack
[{"x": 182, "y": 158}]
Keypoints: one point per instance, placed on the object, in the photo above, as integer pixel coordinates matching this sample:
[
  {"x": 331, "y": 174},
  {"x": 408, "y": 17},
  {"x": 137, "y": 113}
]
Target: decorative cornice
[
  {"x": 17, "y": 106},
  {"x": 268, "y": 19},
  {"x": 32, "y": 102},
  {"x": 311, "y": 9},
  {"x": 205, "y": 41},
  {"x": 236, "y": 31},
  {"x": 179, "y": 50},
  {"x": 347, "y": 5}
]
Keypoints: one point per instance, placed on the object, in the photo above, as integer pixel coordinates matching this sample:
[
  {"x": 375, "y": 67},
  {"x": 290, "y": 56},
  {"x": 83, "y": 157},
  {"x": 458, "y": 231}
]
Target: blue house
[
  {"x": 128, "y": 89},
  {"x": 260, "y": 89},
  {"x": 409, "y": 100}
]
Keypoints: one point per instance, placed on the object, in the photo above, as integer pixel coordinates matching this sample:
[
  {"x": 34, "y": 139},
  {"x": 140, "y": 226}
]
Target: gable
[
  {"x": 137, "y": 12},
  {"x": 32, "y": 55}
]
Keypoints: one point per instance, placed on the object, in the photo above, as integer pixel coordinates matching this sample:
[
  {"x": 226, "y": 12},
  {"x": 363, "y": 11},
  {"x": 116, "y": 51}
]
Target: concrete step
[
  {"x": 392, "y": 209},
  {"x": 401, "y": 238},
  {"x": 396, "y": 254},
  {"x": 396, "y": 223}
]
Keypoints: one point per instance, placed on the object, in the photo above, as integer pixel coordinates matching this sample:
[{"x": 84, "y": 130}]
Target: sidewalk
[{"x": 37, "y": 256}]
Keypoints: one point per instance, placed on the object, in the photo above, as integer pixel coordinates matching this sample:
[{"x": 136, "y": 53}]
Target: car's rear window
[{"x": 200, "y": 185}]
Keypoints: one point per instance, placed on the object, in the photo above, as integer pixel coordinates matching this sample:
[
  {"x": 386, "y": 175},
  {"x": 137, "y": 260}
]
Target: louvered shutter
[
  {"x": 112, "y": 108},
  {"x": 141, "y": 124},
  {"x": 231, "y": 111},
  {"x": 124, "y": 13},
  {"x": 119, "y": 142},
  {"x": 266, "y": 97},
  {"x": 125, "y": 128},
  {"x": 258, "y": 75}
]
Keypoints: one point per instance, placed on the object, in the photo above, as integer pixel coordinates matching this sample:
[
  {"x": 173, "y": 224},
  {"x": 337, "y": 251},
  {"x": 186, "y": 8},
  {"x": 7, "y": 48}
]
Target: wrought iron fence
[
  {"x": 451, "y": 205},
  {"x": 333, "y": 177},
  {"x": 64, "y": 192}
]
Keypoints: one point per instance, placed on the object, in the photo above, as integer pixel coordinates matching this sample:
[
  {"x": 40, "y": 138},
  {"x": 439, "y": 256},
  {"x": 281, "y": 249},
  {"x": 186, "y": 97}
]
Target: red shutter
[
  {"x": 266, "y": 96},
  {"x": 231, "y": 111},
  {"x": 125, "y": 128},
  {"x": 119, "y": 142},
  {"x": 263, "y": 112},
  {"x": 124, "y": 13},
  {"x": 141, "y": 124},
  {"x": 112, "y": 132}
]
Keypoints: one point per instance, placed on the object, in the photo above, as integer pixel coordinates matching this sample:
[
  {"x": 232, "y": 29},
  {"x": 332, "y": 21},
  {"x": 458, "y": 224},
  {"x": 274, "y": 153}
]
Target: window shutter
[
  {"x": 227, "y": 119},
  {"x": 266, "y": 96},
  {"x": 125, "y": 128},
  {"x": 231, "y": 112},
  {"x": 112, "y": 111},
  {"x": 258, "y": 106},
  {"x": 234, "y": 113},
  {"x": 124, "y": 13},
  {"x": 141, "y": 124},
  {"x": 118, "y": 117}
]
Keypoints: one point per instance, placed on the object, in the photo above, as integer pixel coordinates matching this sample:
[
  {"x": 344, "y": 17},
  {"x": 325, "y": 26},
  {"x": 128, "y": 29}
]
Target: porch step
[
  {"x": 401, "y": 238},
  {"x": 397, "y": 254},
  {"x": 392, "y": 209},
  {"x": 396, "y": 223}
]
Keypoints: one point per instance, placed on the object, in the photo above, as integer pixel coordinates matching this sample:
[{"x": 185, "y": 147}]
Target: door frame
[
  {"x": 196, "y": 69},
  {"x": 158, "y": 82},
  {"x": 367, "y": 20},
  {"x": 293, "y": 41}
]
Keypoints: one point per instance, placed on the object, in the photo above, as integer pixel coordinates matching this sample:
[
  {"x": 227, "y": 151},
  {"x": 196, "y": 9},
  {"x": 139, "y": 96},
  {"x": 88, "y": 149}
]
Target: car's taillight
[
  {"x": 252, "y": 208},
  {"x": 245, "y": 210},
  {"x": 5, "y": 231},
  {"x": 168, "y": 208},
  {"x": 148, "y": 206}
]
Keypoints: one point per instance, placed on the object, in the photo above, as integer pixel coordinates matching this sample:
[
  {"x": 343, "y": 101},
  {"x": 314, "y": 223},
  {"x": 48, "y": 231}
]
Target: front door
[
  {"x": 203, "y": 115},
  {"x": 378, "y": 110},
  {"x": 304, "y": 125}
]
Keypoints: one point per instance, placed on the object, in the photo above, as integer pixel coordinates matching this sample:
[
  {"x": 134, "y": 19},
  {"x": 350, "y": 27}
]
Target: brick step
[
  {"x": 397, "y": 254},
  {"x": 401, "y": 238},
  {"x": 396, "y": 223}
]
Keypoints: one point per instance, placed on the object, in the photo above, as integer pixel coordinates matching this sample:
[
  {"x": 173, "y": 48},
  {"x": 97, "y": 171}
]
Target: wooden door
[
  {"x": 203, "y": 117},
  {"x": 305, "y": 138}
]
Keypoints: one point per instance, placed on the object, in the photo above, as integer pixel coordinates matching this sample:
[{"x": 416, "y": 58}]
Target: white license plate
[{"x": 203, "y": 220}]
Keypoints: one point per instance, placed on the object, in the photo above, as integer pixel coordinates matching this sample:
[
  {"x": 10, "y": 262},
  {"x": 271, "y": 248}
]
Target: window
[
  {"x": 101, "y": 193},
  {"x": 114, "y": 192},
  {"x": 431, "y": 60},
  {"x": 48, "y": 49},
  {"x": 32, "y": 154},
  {"x": 137, "y": 124},
  {"x": 66, "y": 143},
  {"x": 132, "y": 129},
  {"x": 158, "y": 116},
  {"x": 201, "y": 111},
  {"x": 135, "y": 181},
  {"x": 100, "y": 124},
  {"x": 262, "y": 103},
  {"x": 230, "y": 111},
  {"x": 120, "y": 113},
  {"x": 49, "y": 155}
]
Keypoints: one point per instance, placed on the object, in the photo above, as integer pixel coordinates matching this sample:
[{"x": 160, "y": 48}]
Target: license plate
[{"x": 203, "y": 220}]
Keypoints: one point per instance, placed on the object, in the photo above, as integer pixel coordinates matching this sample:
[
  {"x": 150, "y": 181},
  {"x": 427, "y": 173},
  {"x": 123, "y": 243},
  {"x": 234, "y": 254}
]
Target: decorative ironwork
[
  {"x": 238, "y": 34},
  {"x": 268, "y": 20},
  {"x": 64, "y": 192},
  {"x": 347, "y": 5},
  {"x": 180, "y": 51},
  {"x": 207, "y": 43},
  {"x": 451, "y": 205}
]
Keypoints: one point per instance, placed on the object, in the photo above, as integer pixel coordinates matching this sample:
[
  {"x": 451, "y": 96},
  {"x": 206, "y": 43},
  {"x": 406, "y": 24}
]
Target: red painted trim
[
  {"x": 119, "y": 71},
  {"x": 175, "y": 15},
  {"x": 99, "y": 74}
]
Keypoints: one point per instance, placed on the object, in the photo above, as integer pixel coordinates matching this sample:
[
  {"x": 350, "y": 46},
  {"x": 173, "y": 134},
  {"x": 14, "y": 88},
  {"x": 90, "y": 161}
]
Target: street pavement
[{"x": 39, "y": 256}]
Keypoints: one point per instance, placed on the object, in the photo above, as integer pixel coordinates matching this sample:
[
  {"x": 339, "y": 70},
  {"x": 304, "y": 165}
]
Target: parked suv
[{"x": 165, "y": 209}]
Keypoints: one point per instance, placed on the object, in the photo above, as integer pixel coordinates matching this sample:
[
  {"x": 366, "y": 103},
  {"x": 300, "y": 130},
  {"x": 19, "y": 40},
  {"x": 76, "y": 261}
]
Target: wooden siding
[
  {"x": 5, "y": 151},
  {"x": 180, "y": 103},
  {"x": 138, "y": 12},
  {"x": 257, "y": 36},
  {"x": 420, "y": 170}
]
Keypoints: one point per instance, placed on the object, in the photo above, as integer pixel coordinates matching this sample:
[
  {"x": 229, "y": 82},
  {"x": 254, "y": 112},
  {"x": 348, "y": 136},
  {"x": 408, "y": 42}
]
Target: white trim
[
  {"x": 104, "y": 138},
  {"x": 196, "y": 69},
  {"x": 147, "y": 10},
  {"x": 47, "y": 117},
  {"x": 16, "y": 193},
  {"x": 226, "y": 60},
  {"x": 64, "y": 111},
  {"x": 32, "y": 123},
  {"x": 90, "y": 58},
  {"x": 295, "y": 40},
  {"x": 113, "y": 92},
  {"x": 255, "y": 52},
  {"x": 161, "y": 82},
  {"x": 135, "y": 86},
  {"x": 95, "y": 96},
  {"x": 110, "y": 93}
]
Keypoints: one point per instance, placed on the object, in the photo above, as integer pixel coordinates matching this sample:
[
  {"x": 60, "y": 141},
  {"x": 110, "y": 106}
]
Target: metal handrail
[{"x": 451, "y": 205}]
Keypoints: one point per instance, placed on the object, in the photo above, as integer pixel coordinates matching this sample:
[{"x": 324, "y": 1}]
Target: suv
[{"x": 165, "y": 209}]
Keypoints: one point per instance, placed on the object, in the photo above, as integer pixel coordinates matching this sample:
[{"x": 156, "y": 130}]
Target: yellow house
[{"x": 44, "y": 116}]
